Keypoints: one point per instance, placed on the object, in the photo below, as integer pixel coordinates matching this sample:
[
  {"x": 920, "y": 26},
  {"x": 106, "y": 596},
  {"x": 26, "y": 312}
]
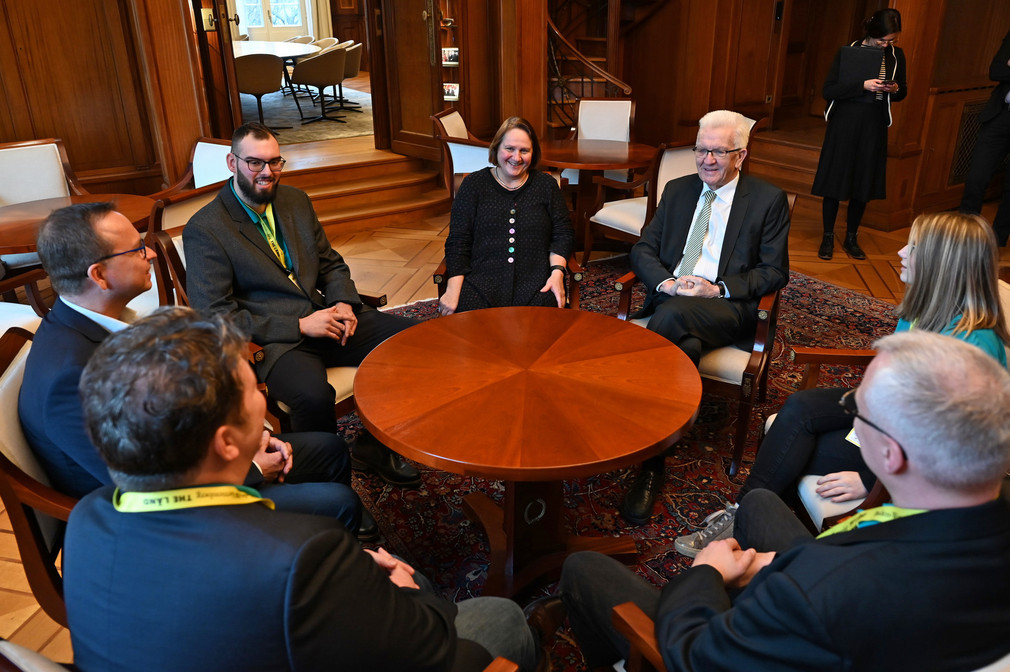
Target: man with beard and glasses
[{"x": 258, "y": 254}]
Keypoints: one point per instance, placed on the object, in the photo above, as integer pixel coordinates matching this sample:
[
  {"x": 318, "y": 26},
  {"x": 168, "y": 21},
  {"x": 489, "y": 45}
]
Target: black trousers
[
  {"x": 694, "y": 324},
  {"x": 992, "y": 146},
  {"x": 298, "y": 378}
]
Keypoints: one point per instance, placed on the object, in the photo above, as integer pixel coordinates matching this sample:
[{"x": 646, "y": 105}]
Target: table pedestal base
[{"x": 526, "y": 537}]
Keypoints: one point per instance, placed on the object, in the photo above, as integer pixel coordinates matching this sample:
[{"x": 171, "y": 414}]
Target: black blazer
[
  {"x": 243, "y": 588},
  {"x": 927, "y": 592},
  {"x": 755, "y": 252},
  {"x": 999, "y": 71}
]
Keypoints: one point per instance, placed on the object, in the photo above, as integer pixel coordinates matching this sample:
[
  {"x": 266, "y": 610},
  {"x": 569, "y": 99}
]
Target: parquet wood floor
[{"x": 398, "y": 260}]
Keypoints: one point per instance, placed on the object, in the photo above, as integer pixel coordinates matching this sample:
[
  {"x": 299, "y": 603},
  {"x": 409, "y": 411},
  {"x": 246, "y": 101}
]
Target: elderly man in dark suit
[
  {"x": 98, "y": 263},
  {"x": 182, "y": 568},
  {"x": 920, "y": 585},
  {"x": 992, "y": 145},
  {"x": 717, "y": 243},
  {"x": 258, "y": 253}
]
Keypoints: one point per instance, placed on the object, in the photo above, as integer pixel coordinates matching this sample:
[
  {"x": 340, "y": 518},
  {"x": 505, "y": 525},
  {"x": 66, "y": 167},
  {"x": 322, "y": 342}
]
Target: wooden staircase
[{"x": 363, "y": 188}]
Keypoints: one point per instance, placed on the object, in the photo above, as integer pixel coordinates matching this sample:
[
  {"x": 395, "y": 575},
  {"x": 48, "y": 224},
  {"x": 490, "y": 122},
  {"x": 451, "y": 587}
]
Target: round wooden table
[
  {"x": 591, "y": 158},
  {"x": 531, "y": 396},
  {"x": 20, "y": 222}
]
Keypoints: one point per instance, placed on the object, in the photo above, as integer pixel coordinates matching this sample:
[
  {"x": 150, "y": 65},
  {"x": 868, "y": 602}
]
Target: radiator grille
[{"x": 967, "y": 135}]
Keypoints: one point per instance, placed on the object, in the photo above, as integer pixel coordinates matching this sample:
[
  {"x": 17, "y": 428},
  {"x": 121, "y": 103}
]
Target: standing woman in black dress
[
  {"x": 853, "y": 160},
  {"x": 510, "y": 234}
]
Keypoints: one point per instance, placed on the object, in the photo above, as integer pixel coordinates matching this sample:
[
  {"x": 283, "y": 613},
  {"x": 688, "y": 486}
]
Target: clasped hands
[
  {"x": 337, "y": 322},
  {"x": 736, "y": 565},
  {"x": 690, "y": 285},
  {"x": 274, "y": 458},
  {"x": 400, "y": 573}
]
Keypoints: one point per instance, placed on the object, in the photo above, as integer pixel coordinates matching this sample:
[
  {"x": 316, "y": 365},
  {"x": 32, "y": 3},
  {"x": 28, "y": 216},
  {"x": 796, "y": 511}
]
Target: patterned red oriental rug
[{"x": 427, "y": 527}]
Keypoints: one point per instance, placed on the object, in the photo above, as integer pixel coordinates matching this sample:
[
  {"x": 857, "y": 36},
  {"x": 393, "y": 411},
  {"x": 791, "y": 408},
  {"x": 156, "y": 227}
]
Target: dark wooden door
[{"x": 413, "y": 62}]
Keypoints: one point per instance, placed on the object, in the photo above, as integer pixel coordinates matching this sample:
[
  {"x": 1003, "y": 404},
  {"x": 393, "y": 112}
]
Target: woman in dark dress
[
  {"x": 853, "y": 160},
  {"x": 510, "y": 234}
]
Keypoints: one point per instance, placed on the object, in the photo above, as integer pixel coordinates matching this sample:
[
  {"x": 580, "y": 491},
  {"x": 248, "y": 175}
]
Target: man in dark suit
[
  {"x": 182, "y": 568},
  {"x": 258, "y": 253},
  {"x": 992, "y": 146},
  {"x": 922, "y": 584},
  {"x": 98, "y": 263},
  {"x": 717, "y": 243}
]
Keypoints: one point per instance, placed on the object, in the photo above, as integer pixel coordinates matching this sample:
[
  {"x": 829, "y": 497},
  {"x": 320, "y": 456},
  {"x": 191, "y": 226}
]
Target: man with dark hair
[
  {"x": 920, "y": 584},
  {"x": 182, "y": 568},
  {"x": 98, "y": 263},
  {"x": 259, "y": 254}
]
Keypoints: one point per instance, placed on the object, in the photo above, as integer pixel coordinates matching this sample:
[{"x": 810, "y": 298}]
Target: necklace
[{"x": 500, "y": 181}]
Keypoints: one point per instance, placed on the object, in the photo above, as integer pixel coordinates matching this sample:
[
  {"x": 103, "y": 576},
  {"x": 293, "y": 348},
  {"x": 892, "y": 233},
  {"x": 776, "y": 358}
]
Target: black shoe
[
  {"x": 544, "y": 615},
  {"x": 852, "y": 247},
  {"x": 827, "y": 248},
  {"x": 367, "y": 454},
  {"x": 638, "y": 501},
  {"x": 368, "y": 530}
]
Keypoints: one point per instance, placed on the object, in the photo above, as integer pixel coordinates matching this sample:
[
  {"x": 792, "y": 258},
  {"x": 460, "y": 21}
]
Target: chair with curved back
[
  {"x": 462, "y": 152},
  {"x": 37, "y": 512},
  {"x": 31, "y": 170},
  {"x": 352, "y": 66},
  {"x": 728, "y": 370},
  {"x": 257, "y": 75},
  {"x": 624, "y": 218},
  {"x": 322, "y": 70},
  {"x": 324, "y": 42},
  {"x": 602, "y": 119},
  {"x": 207, "y": 165}
]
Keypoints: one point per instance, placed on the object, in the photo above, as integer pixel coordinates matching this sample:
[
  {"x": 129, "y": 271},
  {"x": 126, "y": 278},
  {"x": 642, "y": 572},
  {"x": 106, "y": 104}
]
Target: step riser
[
  {"x": 388, "y": 194},
  {"x": 337, "y": 174},
  {"x": 335, "y": 224}
]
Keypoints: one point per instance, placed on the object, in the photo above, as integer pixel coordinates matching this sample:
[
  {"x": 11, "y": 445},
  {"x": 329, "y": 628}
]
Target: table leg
[
  {"x": 527, "y": 538},
  {"x": 585, "y": 201}
]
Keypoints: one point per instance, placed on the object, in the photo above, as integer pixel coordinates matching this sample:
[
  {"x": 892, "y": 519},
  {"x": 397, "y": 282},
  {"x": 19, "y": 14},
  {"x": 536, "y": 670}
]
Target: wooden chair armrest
[
  {"x": 373, "y": 300},
  {"x": 473, "y": 142},
  {"x": 639, "y": 181},
  {"x": 439, "y": 277},
  {"x": 813, "y": 358},
  {"x": 624, "y": 285},
  {"x": 500, "y": 664},
  {"x": 640, "y": 632}
]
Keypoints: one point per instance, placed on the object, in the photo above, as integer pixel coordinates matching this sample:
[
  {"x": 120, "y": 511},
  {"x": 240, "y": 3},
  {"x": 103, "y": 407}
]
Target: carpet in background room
[
  {"x": 428, "y": 528},
  {"x": 279, "y": 110}
]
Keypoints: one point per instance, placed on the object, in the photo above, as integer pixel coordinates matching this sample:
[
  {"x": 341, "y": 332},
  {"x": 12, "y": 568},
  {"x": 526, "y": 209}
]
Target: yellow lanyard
[
  {"x": 187, "y": 498},
  {"x": 880, "y": 514}
]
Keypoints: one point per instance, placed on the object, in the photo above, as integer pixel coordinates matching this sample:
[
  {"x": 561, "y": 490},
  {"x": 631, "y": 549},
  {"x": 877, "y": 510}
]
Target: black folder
[{"x": 859, "y": 64}]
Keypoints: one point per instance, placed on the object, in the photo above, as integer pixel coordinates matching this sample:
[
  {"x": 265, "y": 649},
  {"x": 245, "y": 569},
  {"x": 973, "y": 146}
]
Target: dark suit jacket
[
  {"x": 999, "y": 71},
  {"x": 231, "y": 269},
  {"x": 50, "y": 407},
  {"x": 927, "y": 592},
  {"x": 243, "y": 588},
  {"x": 755, "y": 252}
]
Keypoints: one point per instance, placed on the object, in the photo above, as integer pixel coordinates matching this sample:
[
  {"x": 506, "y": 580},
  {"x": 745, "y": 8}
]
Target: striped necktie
[{"x": 696, "y": 238}]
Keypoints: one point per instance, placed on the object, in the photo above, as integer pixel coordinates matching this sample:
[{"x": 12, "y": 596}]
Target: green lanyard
[
  {"x": 880, "y": 514},
  {"x": 187, "y": 498},
  {"x": 268, "y": 229}
]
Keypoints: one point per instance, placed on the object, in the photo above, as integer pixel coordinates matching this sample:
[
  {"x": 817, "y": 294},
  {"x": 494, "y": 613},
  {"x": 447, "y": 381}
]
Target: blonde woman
[{"x": 950, "y": 267}]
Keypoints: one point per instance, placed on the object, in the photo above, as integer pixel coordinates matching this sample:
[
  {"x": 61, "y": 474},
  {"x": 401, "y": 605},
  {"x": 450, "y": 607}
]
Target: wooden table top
[
  {"x": 596, "y": 154},
  {"x": 19, "y": 222},
  {"x": 527, "y": 394},
  {"x": 294, "y": 50}
]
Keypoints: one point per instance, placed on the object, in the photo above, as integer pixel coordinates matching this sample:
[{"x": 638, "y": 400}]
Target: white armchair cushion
[
  {"x": 819, "y": 508},
  {"x": 210, "y": 164},
  {"x": 627, "y": 215},
  {"x": 31, "y": 174},
  {"x": 454, "y": 125},
  {"x": 724, "y": 364},
  {"x": 12, "y": 440},
  {"x": 467, "y": 158}
]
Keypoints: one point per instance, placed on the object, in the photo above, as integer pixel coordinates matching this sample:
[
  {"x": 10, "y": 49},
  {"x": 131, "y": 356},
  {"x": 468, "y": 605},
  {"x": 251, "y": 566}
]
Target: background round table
[
  {"x": 20, "y": 222},
  {"x": 531, "y": 396}
]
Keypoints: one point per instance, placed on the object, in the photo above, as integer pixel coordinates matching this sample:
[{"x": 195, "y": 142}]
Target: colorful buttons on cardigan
[
  {"x": 512, "y": 250},
  {"x": 512, "y": 230},
  {"x": 511, "y": 260}
]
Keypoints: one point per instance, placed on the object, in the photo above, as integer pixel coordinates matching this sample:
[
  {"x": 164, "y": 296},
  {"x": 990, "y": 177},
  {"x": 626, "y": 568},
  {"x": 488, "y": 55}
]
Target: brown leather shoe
[{"x": 545, "y": 615}]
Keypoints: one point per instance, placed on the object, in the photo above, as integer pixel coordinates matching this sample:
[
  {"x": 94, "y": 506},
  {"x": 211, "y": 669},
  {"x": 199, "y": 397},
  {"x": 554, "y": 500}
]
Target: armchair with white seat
[
  {"x": 462, "y": 152},
  {"x": 32, "y": 170},
  {"x": 207, "y": 165},
  {"x": 602, "y": 119}
]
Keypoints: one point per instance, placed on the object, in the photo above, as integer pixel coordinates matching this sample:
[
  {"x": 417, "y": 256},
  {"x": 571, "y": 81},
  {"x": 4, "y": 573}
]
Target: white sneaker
[{"x": 718, "y": 525}]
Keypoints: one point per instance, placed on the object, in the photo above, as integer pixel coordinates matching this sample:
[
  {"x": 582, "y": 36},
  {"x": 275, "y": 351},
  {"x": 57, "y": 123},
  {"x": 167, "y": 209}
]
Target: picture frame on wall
[
  {"x": 450, "y": 91},
  {"x": 450, "y": 57}
]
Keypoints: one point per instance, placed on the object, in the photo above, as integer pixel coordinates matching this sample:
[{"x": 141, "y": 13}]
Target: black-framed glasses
[
  {"x": 849, "y": 405},
  {"x": 142, "y": 249},
  {"x": 257, "y": 165},
  {"x": 702, "y": 153}
]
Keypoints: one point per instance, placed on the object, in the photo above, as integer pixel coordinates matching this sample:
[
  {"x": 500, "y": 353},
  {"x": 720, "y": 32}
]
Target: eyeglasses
[
  {"x": 142, "y": 249},
  {"x": 848, "y": 404},
  {"x": 257, "y": 165},
  {"x": 702, "y": 153}
]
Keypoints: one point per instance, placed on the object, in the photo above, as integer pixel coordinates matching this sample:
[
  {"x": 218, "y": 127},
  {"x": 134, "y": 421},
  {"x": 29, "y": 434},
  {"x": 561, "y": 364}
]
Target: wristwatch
[{"x": 722, "y": 289}]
